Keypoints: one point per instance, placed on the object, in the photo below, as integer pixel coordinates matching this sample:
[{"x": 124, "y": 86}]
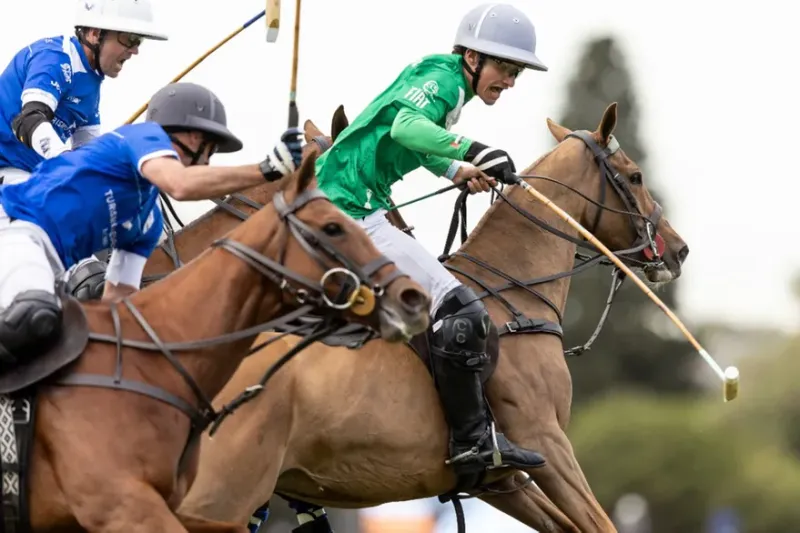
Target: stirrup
[{"x": 497, "y": 458}]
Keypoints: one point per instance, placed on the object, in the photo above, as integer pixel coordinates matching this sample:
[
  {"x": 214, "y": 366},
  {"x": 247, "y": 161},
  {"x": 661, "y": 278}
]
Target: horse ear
[
  {"x": 559, "y": 132},
  {"x": 310, "y": 130},
  {"x": 306, "y": 173},
  {"x": 339, "y": 122},
  {"x": 608, "y": 123}
]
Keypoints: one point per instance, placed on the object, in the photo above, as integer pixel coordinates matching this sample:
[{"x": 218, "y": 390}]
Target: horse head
[
  {"x": 628, "y": 221},
  {"x": 324, "y": 243}
]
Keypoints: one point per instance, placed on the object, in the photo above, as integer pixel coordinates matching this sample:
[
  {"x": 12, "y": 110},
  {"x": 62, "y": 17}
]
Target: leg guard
[
  {"x": 30, "y": 324},
  {"x": 312, "y": 518},
  {"x": 458, "y": 353},
  {"x": 258, "y": 518}
]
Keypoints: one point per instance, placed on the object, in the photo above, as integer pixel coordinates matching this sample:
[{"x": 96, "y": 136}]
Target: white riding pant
[
  {"x": 410, "y": 256},
  {"x": 28, "y": 260},
  {"x": 9, "y": 175}
]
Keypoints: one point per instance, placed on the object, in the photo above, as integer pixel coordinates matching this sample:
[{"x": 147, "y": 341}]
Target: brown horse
[
  {"x": 352, "y": 428},
  {"x": 115, "y": 429}
]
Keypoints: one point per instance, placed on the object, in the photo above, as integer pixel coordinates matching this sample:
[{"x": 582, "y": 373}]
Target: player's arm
[
  {"x": 123, "y": 275},
  {"x": 426, "y": 100},
  {"x": 126, "y": 264},
  {"x": 42, "y": 90},
  {"x": 201, "y": 182},
  {"x": 442, "y": 166},
  {"x": 91, "y": 129}
]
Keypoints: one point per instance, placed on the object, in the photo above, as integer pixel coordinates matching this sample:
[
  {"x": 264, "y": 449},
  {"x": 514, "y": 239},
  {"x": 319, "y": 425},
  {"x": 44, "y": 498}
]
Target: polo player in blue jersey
[{"x": 103, "y": 195}]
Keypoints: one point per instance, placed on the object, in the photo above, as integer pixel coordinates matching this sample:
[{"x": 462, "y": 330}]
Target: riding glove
[
  {"x": 285, "y": 157},
  {"x": 494, "y": 162}
]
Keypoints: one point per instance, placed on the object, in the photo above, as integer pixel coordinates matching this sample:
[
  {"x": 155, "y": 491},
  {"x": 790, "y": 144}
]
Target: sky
[{"x": 715, "y": 84}]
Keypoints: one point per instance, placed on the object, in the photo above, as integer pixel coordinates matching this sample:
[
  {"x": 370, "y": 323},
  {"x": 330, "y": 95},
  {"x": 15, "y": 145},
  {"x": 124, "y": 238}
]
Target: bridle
[
  {"x": 169, "y": 245},
  {"x": 309, "y": 295},
  {"x": 648, "y": 242}
]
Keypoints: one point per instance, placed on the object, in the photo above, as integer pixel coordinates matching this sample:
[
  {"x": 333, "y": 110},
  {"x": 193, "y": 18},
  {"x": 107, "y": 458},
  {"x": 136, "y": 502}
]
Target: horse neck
[
  {"x": 217, "y": 293},
  {"x": 511, "y": 243},
  {"x": 196, "y": 237}
]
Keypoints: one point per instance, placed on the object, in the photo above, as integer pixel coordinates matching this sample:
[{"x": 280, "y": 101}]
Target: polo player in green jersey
[{"x": 405, "y": 127}]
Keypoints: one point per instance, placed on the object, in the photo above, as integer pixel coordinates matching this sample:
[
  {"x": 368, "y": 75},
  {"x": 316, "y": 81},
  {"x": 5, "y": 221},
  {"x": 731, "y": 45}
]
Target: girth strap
[{"x": 110, "y": 382}]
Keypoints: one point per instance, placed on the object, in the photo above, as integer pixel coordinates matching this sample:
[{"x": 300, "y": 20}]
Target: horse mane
[{"x": 489, "y": 212}]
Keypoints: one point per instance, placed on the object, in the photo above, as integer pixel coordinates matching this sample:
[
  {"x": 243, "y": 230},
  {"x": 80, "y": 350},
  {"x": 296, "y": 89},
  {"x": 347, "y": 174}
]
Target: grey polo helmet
[
  {"x": 501, "y": 31},
  {"x": 192, "y": 107}
]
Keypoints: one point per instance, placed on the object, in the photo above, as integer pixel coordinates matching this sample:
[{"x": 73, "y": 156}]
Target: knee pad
[
  {"x": 33, "y": 320},
  {"x": 461, "y": 328},
  {"x": 87, "y": 280}
]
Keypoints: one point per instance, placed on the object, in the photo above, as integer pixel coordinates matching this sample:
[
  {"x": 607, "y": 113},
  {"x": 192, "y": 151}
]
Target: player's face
[
  {"x": 117, "y": 48},
  {"x": 496, "y": 76}
]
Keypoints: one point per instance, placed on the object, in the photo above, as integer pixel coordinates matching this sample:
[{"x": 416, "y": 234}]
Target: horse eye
[
  {"x": 333, "y": 229},
  {"x": 636, "y": 178}
]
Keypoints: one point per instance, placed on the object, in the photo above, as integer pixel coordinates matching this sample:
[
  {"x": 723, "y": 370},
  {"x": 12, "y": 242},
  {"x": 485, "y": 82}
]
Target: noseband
[{"x": 649, "y": 242}]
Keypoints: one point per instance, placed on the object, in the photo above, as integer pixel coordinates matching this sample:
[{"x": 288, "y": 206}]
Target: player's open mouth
[{"x": 496, "y": 91}]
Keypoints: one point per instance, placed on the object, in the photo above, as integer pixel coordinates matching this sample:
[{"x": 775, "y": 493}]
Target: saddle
[
  {"x": 355, "y": 336},
  {"x": 18, "y": 394}
]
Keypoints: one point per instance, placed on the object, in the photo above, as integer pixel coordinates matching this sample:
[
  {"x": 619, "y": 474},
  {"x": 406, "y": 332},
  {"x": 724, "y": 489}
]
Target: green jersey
[{"x": 404, "y": 128}]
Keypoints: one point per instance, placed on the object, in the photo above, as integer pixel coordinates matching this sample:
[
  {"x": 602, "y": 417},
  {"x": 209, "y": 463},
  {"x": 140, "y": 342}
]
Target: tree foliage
[{"x": 689, "y": 456}]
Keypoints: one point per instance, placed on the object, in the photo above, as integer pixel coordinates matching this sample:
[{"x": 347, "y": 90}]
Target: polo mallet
[
  {"x": 729, "y": 377},
  {"x": 273, "y": 7},
  {"x": 294, "y": 116},
  {"x": 273, "y": 12}
]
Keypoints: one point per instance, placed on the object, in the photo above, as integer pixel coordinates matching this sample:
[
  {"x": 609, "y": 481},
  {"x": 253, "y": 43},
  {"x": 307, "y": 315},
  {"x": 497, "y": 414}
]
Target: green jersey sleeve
[
  {"x": 430, "y": 89},
  {"x": 438, "y": 165},
  {"x": 414, "y": 131}
]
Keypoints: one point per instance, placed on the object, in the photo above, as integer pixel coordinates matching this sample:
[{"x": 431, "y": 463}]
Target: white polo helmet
[
  {"x": 130, "y": 16},
  {"x": 502, "y": 31}
]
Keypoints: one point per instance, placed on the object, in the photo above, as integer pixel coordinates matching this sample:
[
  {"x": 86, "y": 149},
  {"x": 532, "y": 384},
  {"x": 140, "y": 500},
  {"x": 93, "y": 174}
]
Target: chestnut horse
[
  {"x": 352, "y": 428},
  {"x": 110, "y": 442}
]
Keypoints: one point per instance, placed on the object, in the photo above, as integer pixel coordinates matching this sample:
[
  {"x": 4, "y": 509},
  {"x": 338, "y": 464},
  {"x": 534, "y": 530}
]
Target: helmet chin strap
[
  {"x": 95, "y": 48},
  {"x": 476, "y": 74},
  {"x": 195, "y": 155}
]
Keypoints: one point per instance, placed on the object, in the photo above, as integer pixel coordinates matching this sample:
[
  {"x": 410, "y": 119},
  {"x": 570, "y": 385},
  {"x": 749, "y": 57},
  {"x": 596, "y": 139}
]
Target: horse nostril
[
  {"x": 682, "y": 253},
  {"x": 414, "y": 301}
]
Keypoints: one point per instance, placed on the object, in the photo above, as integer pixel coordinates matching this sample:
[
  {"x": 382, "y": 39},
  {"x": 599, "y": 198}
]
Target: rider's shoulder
[
  {"x": 59, "y": 44},
  {"x": 440, "y": 63},
  {"x": 439, "y": 73},
  {"x": 140, "y": 130}
]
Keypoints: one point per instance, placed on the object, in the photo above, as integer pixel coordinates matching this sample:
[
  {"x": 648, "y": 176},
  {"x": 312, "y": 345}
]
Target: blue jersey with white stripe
[
  {"x": 95, "y": 197},
  {"x": 56, "y": 72}
]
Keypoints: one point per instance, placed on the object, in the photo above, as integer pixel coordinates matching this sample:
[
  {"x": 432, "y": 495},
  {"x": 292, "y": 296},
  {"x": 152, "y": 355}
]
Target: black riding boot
[
  {"x": 29, "y": 325},
  {"x": 459, "y": 356}
]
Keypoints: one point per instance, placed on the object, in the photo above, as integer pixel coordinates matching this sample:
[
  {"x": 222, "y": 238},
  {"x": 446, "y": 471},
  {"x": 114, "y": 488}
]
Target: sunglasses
[
  {"x": 508, "y": 68},
  {"x": 129, "y": 40}
]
